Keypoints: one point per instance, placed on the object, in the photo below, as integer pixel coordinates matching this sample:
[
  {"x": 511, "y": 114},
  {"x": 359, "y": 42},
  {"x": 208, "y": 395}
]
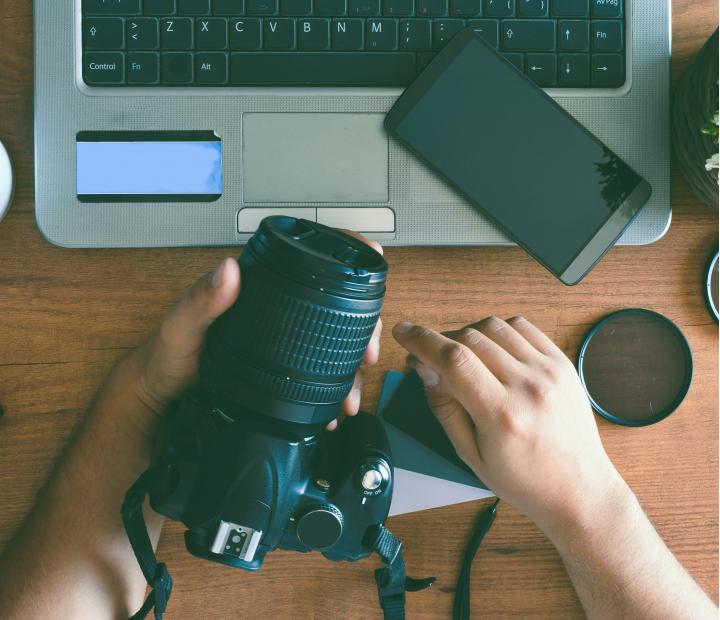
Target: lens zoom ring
[
  {"x": 291, "y": 389},
  {"x": 300, "y": 335}
]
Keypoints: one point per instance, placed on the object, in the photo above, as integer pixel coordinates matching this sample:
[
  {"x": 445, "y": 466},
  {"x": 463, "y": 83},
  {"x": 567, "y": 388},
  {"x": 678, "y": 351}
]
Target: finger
[
  {"x": 184, "y": 328},
  {"x": 534, "y": 336},
  {"x": 500, "y": 363},
  {"x": 332, "y": 425},
  {"x": 373, "y": 244},
  {"x": 452, "y": 416},
  {"x": 372, "y": 353},
  {"x": 351, "y": 404},
  {"x": 509, "y": 339},
  {"x": 462, "y": 372}
]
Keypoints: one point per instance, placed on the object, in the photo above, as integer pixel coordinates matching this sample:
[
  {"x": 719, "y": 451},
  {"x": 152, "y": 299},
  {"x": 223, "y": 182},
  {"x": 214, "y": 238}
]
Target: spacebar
[{"x": 322, "y": 69}]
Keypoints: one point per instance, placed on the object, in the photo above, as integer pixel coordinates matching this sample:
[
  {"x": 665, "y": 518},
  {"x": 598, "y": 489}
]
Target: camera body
[{"x": 244, "y": 487}]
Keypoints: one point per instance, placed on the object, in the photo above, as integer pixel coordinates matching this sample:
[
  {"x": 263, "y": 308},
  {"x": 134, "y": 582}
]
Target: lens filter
[
  {"x": 711, "y": 287},
  {"x": 636, "y": 367}
]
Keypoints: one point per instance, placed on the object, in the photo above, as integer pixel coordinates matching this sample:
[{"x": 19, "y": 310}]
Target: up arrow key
[{"x": 509, "y": 34}]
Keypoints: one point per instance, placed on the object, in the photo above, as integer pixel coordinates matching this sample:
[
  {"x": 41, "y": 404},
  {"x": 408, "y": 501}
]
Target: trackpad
[{"x": 314, "y": 158}]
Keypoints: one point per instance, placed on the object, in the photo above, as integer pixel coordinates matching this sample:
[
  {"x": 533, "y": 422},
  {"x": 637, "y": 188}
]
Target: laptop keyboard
[{"x": 557, "y": 43}]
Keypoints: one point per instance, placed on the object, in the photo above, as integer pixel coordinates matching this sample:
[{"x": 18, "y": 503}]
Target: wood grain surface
[{"x": 66, "y": 316}]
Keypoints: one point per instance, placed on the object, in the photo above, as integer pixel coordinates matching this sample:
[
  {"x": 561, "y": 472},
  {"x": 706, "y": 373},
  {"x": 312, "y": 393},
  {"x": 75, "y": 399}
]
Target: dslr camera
[{"x": 246, "y": 465}]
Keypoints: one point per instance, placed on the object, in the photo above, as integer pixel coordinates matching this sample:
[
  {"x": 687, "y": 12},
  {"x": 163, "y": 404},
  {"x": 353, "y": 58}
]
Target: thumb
[{"x": 183, "y": 330}]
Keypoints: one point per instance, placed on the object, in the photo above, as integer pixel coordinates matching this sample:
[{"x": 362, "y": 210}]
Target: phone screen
[{"x": 518, "y": 157}]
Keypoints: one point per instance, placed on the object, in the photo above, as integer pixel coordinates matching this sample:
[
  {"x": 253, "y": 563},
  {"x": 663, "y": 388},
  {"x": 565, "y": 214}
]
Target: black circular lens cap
[{"x": 636, "y": 367}]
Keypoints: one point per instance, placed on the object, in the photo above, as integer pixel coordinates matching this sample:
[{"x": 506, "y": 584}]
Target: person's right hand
[{"x": 513, "y": 407}]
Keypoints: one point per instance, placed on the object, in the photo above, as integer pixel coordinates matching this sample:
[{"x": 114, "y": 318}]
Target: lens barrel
[{"x": 290, "y": 346}]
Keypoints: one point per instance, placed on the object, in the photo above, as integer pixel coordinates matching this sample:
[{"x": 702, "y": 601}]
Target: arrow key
[
  {"x": 574, "y": 70},
  {"x": 607, "y": 70},
  {"x": 573, "y": 35},
  {"x": 103, "y": 33},
  {"x": 541, "y": 68},
  {"x": 143, "y": 33}
]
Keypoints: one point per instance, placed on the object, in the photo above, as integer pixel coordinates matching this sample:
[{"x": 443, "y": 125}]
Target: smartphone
[{"x": 518, "y": 157}]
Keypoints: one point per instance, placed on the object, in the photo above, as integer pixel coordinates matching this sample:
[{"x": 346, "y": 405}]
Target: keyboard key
[
  {"x": 194, "y": 7},
  {"x": 606, "y": 8},
  {"x": 573, "y": 35},
  {"x": 364, "y": 7},
  {"x": 159, "y": 7},
  {"x": 103, "y": 33},
  {"x": 313, "y": 34},
  {"x": 607, "y": 70},
  {"x": 607, "y": 36},
  {"x": 427, "y": 8},
  {"x": 498, "y": 8},
  {"x": 177, "y": 68},
  {"x": 295, "y": 7},
  {"x": 444, "y": 30},
  {"x": 464, "y": 8},
  {"x": 143, "y": 68},
  {"x": 415, "y": 34},
  {"x": 143, "y": 33},
  {"x": 516, "y": 59},
  {"x": 532, "y": 8},
  {"x": 574, "y": 70},
  {"x": 347, "y": 34},
  {"x": 262, "y": 7},
  {"x": 541, "y": 69},
  {"x": 570, "y": 8},
  {"x": 486, "y": 28},
  {"x": 101, "y": 68},
  {"x": 211, "y": 33},
  {"x": 279, "y": 34},
  {"x": 330, "y": 7},
  {"x": 326, "y": 69},
  {"x": 381, "y": 34},
  {"x": 118, "y": 7},
  {"x": 211, "y": 68},
  {"x": 228, "y": 7},
  {"x": 176, "y": 33},
  {"x": 422, "y": 60},
  {"x": 398, "y": 7},
  {"x": 245, "y": 33},
  {"x": 528, "y": 34}
]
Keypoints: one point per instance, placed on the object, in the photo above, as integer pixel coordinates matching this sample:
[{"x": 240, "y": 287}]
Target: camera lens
[{"x": 291, "y": 344}]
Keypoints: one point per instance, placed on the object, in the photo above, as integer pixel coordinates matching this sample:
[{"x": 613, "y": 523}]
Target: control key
[{"x": 101, "y": 68}]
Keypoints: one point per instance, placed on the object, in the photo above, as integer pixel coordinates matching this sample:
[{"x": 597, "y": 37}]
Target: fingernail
[
  {"x": 428, "y": 376},
  {"x": 217, "y": 277},
  {"x": 403, "y": 328}
]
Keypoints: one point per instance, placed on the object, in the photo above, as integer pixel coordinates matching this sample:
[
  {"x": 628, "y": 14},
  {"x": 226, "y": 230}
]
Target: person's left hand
[{"x": 166, "y": 366}]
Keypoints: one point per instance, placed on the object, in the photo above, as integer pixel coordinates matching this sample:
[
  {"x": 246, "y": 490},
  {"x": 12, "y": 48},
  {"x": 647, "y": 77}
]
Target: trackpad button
[{"x": 325, "y": 158}]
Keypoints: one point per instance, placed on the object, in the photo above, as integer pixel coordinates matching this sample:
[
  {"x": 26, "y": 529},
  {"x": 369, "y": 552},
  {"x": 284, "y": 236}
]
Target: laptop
[{"x": 185, "y": 122}]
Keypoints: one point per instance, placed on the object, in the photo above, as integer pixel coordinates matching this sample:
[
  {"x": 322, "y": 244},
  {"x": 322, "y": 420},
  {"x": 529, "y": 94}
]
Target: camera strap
[
  {"x": 156, "y": 573},
  {"x": 391, "y": 581}
]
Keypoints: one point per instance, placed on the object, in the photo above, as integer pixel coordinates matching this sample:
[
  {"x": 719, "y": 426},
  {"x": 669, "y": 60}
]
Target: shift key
[
  {"x": 104, "y": 68},
  {"x": 528, "y": 34}
]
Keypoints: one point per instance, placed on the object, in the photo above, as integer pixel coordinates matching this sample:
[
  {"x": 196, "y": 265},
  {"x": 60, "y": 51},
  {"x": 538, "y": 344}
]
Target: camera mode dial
[{"x": 320, "y": 526}]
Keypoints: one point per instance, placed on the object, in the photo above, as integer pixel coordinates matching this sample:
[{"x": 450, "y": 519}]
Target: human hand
[
  {"x": 167, "y": 365},
  {"x": 513, "y": 407}
]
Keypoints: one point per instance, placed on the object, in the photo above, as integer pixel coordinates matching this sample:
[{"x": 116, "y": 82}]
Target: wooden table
[{"x": 66, "y": 316}]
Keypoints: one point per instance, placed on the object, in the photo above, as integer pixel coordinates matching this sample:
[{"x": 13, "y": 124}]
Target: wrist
[{"x": 591, "y": 511}]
